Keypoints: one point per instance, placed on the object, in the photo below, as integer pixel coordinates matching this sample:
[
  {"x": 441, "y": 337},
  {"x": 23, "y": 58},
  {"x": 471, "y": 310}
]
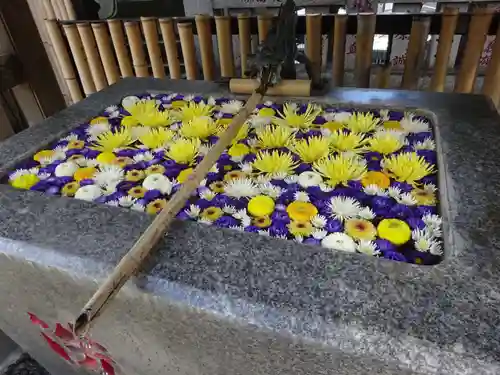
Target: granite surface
[{"x": 217, "y": 301}]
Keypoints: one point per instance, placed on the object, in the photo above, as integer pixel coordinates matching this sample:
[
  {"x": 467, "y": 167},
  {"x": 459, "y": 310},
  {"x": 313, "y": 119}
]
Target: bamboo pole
[
  {"x": 415, "y": 52},
  {"x": 339, "y": 34},
  {"x": 136, "y": 49},
  {"x": 491, "y": 83},
  {"x": 49, "y": 10},
  {"x": 70, "y": 9},
  {"x": 313, "y": 45},
  {"x": 364, "y": 46},
  {"x": 58, "y": 9},
  {"x": 150, "y": 31},
  {"x": 107, "y": 57},
  {"x": 131, "y": 262},
  {"x": 119, "y": 45},
  {"x": 448, "y": 26},
  {"x": 263, "y": 25},
  {"x": 82, "y": 66},
  {"x": 383, "y": 75},
  {"x": 476, "y": 36},
  {"x": 203, "y": 27},
  {"x": 188, "y": 51},
  {"x": 170, "y": 43},
  {"x": 245, "y": 42},
  {"x": 93, "y": 58},
  {"x": 225, "y": 43},
  {"x": 64, "y": 60}
]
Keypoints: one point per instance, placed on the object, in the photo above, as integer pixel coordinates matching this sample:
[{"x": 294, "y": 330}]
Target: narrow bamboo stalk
[
  {"x": 49, "y": 10},
  {"x": 136, "y": 49},
  {"x": 415, "y": 52},
  {"x": 93, "y": 58},
  {"x": 107, "y": 57},
  {"x": 70, "y": 9},
  {"x": 448, "y": 26},
  {"x": 491, "y": 83},
  {"x": 170, "y": 43},
  {"x": 339, "y": 34},
  {"x": 364, "y": 46},
  {"x": 131, "y": 262},
  {"x": 245, "y": 42},
  {"x": 383, "y": 75},
  {"x": 313, "y": 44},
  {"x": 204, "y": 29},
  {"x": 64, "y": 60},
  {"x": 150, "y": 31},
  {"x": 75, "y": 45},
  {"x": 476, "y": 35},
  {"x": 57, "y": 9},
  {"x": 264, "y": 22},
  {"x": 120, "y": 47},
  {"x": 188, "y": 51},
  {"x": 225, "y": 43}
]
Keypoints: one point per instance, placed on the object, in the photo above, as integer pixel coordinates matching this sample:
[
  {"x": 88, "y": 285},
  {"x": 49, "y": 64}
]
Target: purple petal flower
[
  {"x": 303, "y": 167},
  {"x": 355, "y": 184},
  {"x": 374, "y": 166},
  {"x": 415, "y": 223},
  {"x": 114, "y": 196},
  {"x": 53, "y": 190},
  {"x": 394, "y": 255},
  {"x": 396, "y": 116},
  {"x": 334, "y": 225},
  {"x": 372, "y": 156},
  {"x": 293, "y": 188},
  {"x": 381, "y": 202},
  {"x": 429, "y": 156},
  {"x": 312, "y": 241},
  {"x": 226, "y": 222},
  {"x": 278, "y": 228},
  {"x": 249, "y": 158},
  {"x": 286, "y": 198},
  {"x": 419, "y": 137},
  {"x": 316, "y": 193},
  {"x": 221, "y": 200},
  {"x": 151, "y": 195},
  {"x": 403, "y": 186},
  {"x": 126, "y": 185},
  {"x": 319, "y": 120},
  {"x": 127, "y": 152},
  {"x": 203, "y": 203},
  {"x": 431, "y": 179},
  {"x": 426, "y": 210},
  {"x": 101, "y": 199},
  {"x": 280, "y": 216},
  {"x": 169, "y": 163},
  {"x": 87, "y": 181},
  {"x": 417, "y": 257},
  {"x": 40, "y": 186},
  {"x": 59, "y": 181},
  {"x": 172, "y": 172},
  {"x": 385, "y": 246},
  {"x": 400, "y": 211},
  {"x": 280, "y": 183},
  {"x": 252, "y": 229},
  {"x": 90, "y": 154},
  {"x": 313, "y": 133},
  {"x": 182, "y": 215}
]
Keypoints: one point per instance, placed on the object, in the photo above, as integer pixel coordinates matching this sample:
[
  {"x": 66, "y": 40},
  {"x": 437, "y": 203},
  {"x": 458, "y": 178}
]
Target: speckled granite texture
[{"x": 214, "y": 301}]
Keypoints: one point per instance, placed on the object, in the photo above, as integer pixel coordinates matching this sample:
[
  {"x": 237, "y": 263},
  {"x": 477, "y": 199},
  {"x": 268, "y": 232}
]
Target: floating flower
[
  {"x": 344, "y": 208},
  {"x": 407, "y": 167},
  {"x": 262, "y": 222},
  {"x": 406, "y": 199},
  {"x": 191, "y": 111},
  {"x": 137, "y": 192},
  {"x": 274, "y": 136},
  {"x": 301, "y": 211},
  {"x": 339, "y": 241},
  {"x": 361, "y": 122},
  {"x": 319, "y": 234},
  {"x": 199, "y": 127},
  {"x": 106, "y": 157},
  {"x": 156, "y": 206},
  {"x": 308, "y": 179},
  {"x": 360, "y": 229},
  {"x": 232, "y": 107},
  {"x": 341, "y": 142},
  {"x": 238, "y": 150},
  {"x": 146, "y": 113},
  {"x": 378, "y": 179},
  {"x": 289, "y": 117},
  {"x": 183, "y": 151},
  {"x": 394, "y": 230},
  {"x": 318, "y": 221},
  {"x": 158, "y": 182},
  {"x": 301, "y": 196},
  {"x": 211, "y": 213},
  {"x": 97, "y": 129},
  {"x": 84, "y": 173},
  {"x": 155, "y": 169},
  {"x": 193, "y": 211},
  {"x": 312, "y": 148},
  {"x": 300, "y": 228},
  {"x": 109, "y": 175},
  {"x": 218, "y": 186},
  {"x": 241, "y": 187},
  {"x": 261, "y": 205},
  {"x": 127, "y": 201},
  {"x": 88, "y": 193},
  {"x": 426, "y": 144},
  {"x": 44, "y": 154},
  {"x": 386, "y": 142},
  {"x": 273, "y": 163},
  {"x": 332, "y": 126},
  {"x": 270, "y": 190},
  {"x": 339, "y": 169},
  {"x": 410, "y": 124},
  {"x": 425, "y": 243},
  {"x": 433, "y": 223},
  {"x": 424, "y": 197},
  {"x": 123, "y": 161},
  {"x": 207, "y": 194},
  {"x": 75, "y": 145},
  {"x": 156, "y": 138},
  {"x": 135, "y": 175},
  {"x": 109, "y": 141},
  {"x": 70, "y": 189},
  {"x": 143, "y": 156},
  {"x": 367, "y": 247},
  {"x": 233, "y": 175},
  {"x": 184, "y": 175},
  {"x": 24, "y": 181},
  {"x": 340, "y": 117},
  {"x": 66, "y": 169}
]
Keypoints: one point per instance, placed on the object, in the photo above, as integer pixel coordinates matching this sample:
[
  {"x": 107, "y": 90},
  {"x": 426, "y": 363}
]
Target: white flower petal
[{"x": 339, "y": 241}]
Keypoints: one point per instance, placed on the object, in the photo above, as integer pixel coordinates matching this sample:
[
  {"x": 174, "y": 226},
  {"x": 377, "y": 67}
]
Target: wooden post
[
  {"x": 245, "y": 44},
  {"x": 339, "y": 33},
  {"x": 383, "y": 75},
  {"x": 49, "y": 10},
  {"x": 448, "y": 26},
  {"x": 491, "y": 83},
  {"x": 120, "y": 47},
  {"x": 313, "y": 44},
  {"x": 476, "y": 35},
  {"x": 137, "y": 49},
  {"x": 107, "y": 57},
  {"x": 93, "y": 58},
  {"x": 82, "y": 66},
  {"x": 151, "y": 35},
  {"x": 70, "y": 9},
  {"x": 263, "y": 25},
  {"x": 170, "y": 43},
  {"x": 225, "y": 43},
  {"x": 415, "y": 52},
  {"x": 203, "y": 26},
  {"x": 188, "y": 50},
  {"x": 364, "y": 46}
]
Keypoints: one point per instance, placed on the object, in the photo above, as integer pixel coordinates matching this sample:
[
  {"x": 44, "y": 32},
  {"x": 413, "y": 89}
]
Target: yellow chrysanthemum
[
  {"x": 376, "y": 178},
  {"x": 192, "y": 110},
  {"x": 266, "y": 112},
  {"x": 156, "y": 206},
  {"x": 178, "y": 103},
  {"x": 69, "y": 190},
  {"x": 424, "y": 197},
  {"x": 341, "y": 142},
  {"x": 386, "y": 142},
  {"x": 184, "y": 151},
  {"x": 106, "y": 157},
  {"x": 301, "y": 211},
  {"x": 361, "y": 122},
  {"x": 25, "y": 181},
  {"x": 338, "y": 169},
  {"x": 108, "y": 141},
  {"x": 312, "y": 148},
  {"x": 394, "y": 230},
  {"x": 183, "y": 176},
  {"x": 44, "y": 154},
  {"x": 300, "y": 228},
  {"x": 211, "y": 213},
  {"x": 238, "y": 150},
  {"x": 274, "y": 136},
  {"x": 274, "y": 163},
  {"x": 135, "y": 175},
  {"x": 262, "y": 222},
  {"x": 333, "y": 126},
  {"x": 407, "y": 167},
  {"x": 261, "y": 206},
  {"x": 292, "y": 119},
  {"x": 360, "y": 229},
  {"x": 200, "y": 127},
  {"x": 84, "y": 173},
  {"x": 156, "y": 138},
  {"x": 146, "y": 113},
  {"x": 76, "y": 145},
  {"x": 99, "y": 120}
]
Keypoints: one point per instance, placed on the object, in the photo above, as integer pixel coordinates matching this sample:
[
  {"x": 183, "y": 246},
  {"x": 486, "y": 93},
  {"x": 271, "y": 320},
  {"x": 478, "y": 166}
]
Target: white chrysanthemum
[
  {"x": 433, "y": 224},
  {"x": 189, "y": 97},
  {"x": 339, "y": 241},
  {"x": 268, "y": 103},
  {"x": 318, "y": 221},
  {"x": 193, "y": 211},
  {"x": 113, "y": 203},
  {"x": 259, "y": 121},
  {"x": 88, "y": 193},
  {"x": 18, "y": 173},
  {"x": 337, "y": 116},
  {"x": 143, "y": 156},
  {"x": 126, "y": 201},
  {"x": 109, "y": 175},
  {"x": 374, "y": 190},
  {"x": 264, "y": 232},
  {"x": 344, "y": 208},
  {"x": 205, "y": 221},
  {"x": 325, "y": 188},
  {"x": 70, "y": 137},
  {"x": 384, "y": 114},
  {"x": 211, "y": 101},
  {"x": 94, "y": 130},
  {"x": 280, "y": 176},
  {"x": 66, "y": 169},
  {"x": 429, "y": 188},
  {"x": 57, "y": 155},
  {"x": 270, "y": 190},
  {"x": 241, "y": 187},
  {"x": 298, "y": 239},
  {"x": 394, "y": 192},
  {"x": 319, "y": 234},
  {"x": 366, "y": 213},
  {"x": 202, "y": 182},
  {"x": 409, "y": 124},
  {"x": 207, "y": 194},
  {"x": 157, "y": 181},
  {"x": 425, "y": 243},
  {"x": 138, "y": 207},
  {"x": 246, "y": 167},
  {"x": 426, "y": 144},
  {"x": 262, "y": 179},
  {"x": 129, "y": 101},
  {"x": 111, "y": 109},
  {"x": 325, "y": 132},
  {"x": 292, "y": 179},
  {"x": 175, "y": 126},
  {"x": 233, "y": 107},
  {"x": 237, "y": 227},
  {"x": 406, "y": 199},
  {"x": 246, "y": 221},
  {"x": 301, "y": 196},
  {"x": 228, "y": 209},
  {"x": 367, "y": 247},
  {"x": 34, "y": 170},
  {"x": 84, "y": 162},
  {"x": 240, "y": 214}
]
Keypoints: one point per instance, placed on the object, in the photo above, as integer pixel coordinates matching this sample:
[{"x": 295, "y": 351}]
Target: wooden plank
[
  {"x": 491, "y": 82},
  {"x": 415, "y": 53},
  {"x": 364, "y": 47},
  {"x": 339, "y": 34}
]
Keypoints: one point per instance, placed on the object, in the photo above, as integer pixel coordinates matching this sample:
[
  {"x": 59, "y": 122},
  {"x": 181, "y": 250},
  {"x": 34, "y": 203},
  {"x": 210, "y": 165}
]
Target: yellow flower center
[
  {"x": 183, "y": 176},
  {"x": 76, "y": 145},
  {"x": 43, "y": 155},
  {"x": 300, "y": 228},
  {"x": 154, "y": 169},
  {"x": 376, "y": 178},
  {"x": 238, "y": 150},
  {"x": 122, "y": 161},
  {"x": 261, "y": 205},
  {"x": 234, "y": 175},
  {"x": 70, "y": 189},
  {"x": 25, "y": 181},
  {"x": 333, "y": 126},
  {"x": 267, "y": 112},
  {"x": 84, "y": 173},
  {"x": 156, "y": 206},
  {"x": 217, "y": 187},
  {"x": 394, "y": 230},
  {"x": 134, "y": 175},
  {"x": 178, "y": 103},
  {"x": 262, "y": 222},
  {"x": 301, "y": 211},
  {"x": 360, "y": 229},
  {"x": 211, "y": 213},
  {"x": 106, "y": 157},
  {"x": 423, "y": 197},
  {"x": 137, "y": 192},
  {"x": 99, "y": 120}
]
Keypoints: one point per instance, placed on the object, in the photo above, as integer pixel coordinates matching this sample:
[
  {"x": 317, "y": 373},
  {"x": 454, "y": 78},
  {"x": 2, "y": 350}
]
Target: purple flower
[
  {"x": 252, "y": 229},
  {"x": 172, "y": 172},
  {"x": 125, "y": 185},
  {"x": 226, "y": 222},
  {"x": 280, "y": 216},
  {"x": 53, "y": 190},
  {"x": 312, "y": 241},
  {"x": 313, "y": 133},
  {"x": 403, "y": 186},
  {"x": 319, "y": 120},
  {"x": 417, "y": 257},
  {"x": 212, "y": 177},
  {"x": 213, "y": 139},
  {"x": 419, "y": 137},
  {"x": 221, "y": 200},
  {"x": 394, "y": 255},
  {"x": 431, "y": 179},
  {"x": 303, "y": 167},
  {"x": 400, "y": 211},
  {"x": 426, "y": 210},
  {"x": 429, "y": 156},
  {"x": 334, "y": 225},
  {"x": 385, "y": 246},
  {"x": 415, "y": 223},
  {"x": 316, "y": 193},
  {"x": 40, "y": 186},
  {"x": 59, "y": 181},
  {"x": 182, "y": 215},
  {"x": 280, "y": 183},
  {"x": 169, "y": 163},
  {"x": 285, "y": 198},
  {"x": 249, "y": 158},
  {"x": 101, "y": 199},
  {"x": 127, "y": 152},
  {"x": 374, "y": 166},
  {"x": 381, "y": 202},
  {"x": 373, "y": 156},
  {"x": 355, "y": 185},
  {"x": 278, "y": 229},
  {"x": 87, "y": 181},
  {"x": 151, "y": 195},
  {"x": 203, "y": 203},
  {"x": 90, "y": 154},
  {"x": 396, "y": 116},
  {"x": 323, "y": 207}
]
